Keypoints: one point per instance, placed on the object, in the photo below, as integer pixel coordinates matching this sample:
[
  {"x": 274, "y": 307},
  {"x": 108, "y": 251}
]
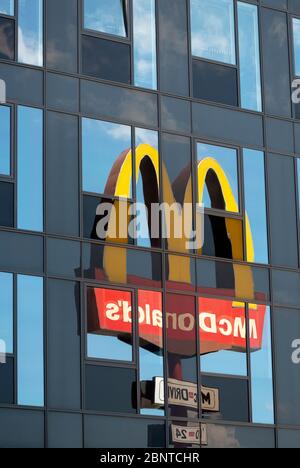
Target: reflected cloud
[
  {"x": 213, "y": 30},
  {"x": 144, "y": 32},
  {"x": 108, "y": 16}
]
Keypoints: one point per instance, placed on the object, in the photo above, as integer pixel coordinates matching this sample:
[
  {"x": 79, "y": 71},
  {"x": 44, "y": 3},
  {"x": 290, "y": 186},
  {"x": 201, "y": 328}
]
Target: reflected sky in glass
[
  {"x": 144, "y": 42},
  {"x": 6, "y": 310},
  {"x": 250, "y": 78},
  {"x": 30, "y": 169},
  {"x": 106, "y": 16},
  {"x": 102, "y": 144},
  {"x": 227, "y": 159},
  {"x": 30, "y": 32},
  {"x": 7, "y": 7},
  {"x": 30, "y": 358},
  {"x": 262, "y": 378},
  {"x": 225, "y": 362},
  {"x": 5, "y": 140},
  {"x": 108, "y": 347},
  {"x": 149, "y": 137},
  {"x": 255, "y": 202},
  {"x": 296, "y": 34},
  {"x": 213, "y": 33}
]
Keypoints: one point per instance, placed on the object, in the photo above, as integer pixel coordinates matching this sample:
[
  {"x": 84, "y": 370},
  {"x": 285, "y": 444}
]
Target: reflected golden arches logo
[{"x": 147, "y": 165}]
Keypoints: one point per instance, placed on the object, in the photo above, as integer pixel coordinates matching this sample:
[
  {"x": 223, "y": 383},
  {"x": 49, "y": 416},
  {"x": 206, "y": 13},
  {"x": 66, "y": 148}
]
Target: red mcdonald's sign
[{"x": 222, "y": 323}]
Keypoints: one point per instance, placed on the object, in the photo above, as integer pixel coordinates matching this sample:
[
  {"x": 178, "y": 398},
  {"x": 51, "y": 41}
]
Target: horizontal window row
[
  {"x": 155, "y": 346},
  {"x": 206, "y": 198},
  {"x": 119, "y": 43},
  {"x": 228, "y": 333}
]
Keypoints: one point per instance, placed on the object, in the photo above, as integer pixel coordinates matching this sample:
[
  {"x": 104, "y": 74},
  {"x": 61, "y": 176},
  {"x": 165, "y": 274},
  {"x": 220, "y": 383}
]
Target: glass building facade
[{"x": 125, "y": 341}]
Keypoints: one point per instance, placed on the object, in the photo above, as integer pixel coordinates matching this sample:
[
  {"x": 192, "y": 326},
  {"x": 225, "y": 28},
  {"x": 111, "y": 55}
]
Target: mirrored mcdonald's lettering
[{"x": 222, "y": 323}]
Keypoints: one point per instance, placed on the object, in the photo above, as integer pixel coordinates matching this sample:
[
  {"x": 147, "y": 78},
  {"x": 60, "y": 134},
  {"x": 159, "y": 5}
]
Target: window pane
[
  {"x": 230, "y": 390},
  {"x": 255, "y": 205},
  {"x": 144, "y": 40},
  {"x": 7, "y": 39},
  {"x": 215, "y": 82},
  {"x": 30, "y": 169},
  {"x": 120, "y": 265},
  {"x": 180, "y": 273},
  {"x": 217, "y": 177},
  {"x": 239, "y": 436},
  {"x": 250, "y": 80},
  {"x": 223, "y": 340},
  {"x": 296, "y": 31},
  {"x": 30, "y": 341},
  {"x": 233, "y": 280},
  {"x": 105, "y": 146},
  {"x": 6, "y": 204},
  {"x": 223, "y": 238},
  {"x": 5, "y": 140},
  {"x": 147, "y": 184},
  {"x": 150, "y": 347},
  {"x": 7, "y": 7},
  {"x": 107, "y": 60},
  {"x": 30, "y": 32},
  {"x": 110, "y": 389},
  {"x": 108, "y": 16},
  {"x": 262, "y": 375},
  {"x": 212, "y": 23},
  {"x": 6, "y": 312},
  {"x": 109, "y": 324}
]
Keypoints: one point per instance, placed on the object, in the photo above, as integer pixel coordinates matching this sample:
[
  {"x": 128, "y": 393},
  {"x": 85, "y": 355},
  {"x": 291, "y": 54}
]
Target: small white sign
[
  {"x": 2, "y": 92},
  {"x": 186, "y": 394},
  {"x": 194, "y": 435}
]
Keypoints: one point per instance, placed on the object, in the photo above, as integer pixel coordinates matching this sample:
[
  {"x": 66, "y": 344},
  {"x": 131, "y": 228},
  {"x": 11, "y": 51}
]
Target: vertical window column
[
  {"x": 30, "y": 345},
  {"x": 30, "y": 169},
  {"x": 30, "y": 32},
  {"x": 144, "y": 43}
]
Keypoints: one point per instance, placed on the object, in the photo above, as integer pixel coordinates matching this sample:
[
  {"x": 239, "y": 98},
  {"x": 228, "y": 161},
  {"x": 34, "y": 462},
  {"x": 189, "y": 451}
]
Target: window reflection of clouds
[
  {"x": 213, "y": 36},
  {"x": 144, "y": 39},
  {"x": 227, "y": 159},
  {"x": 102, "y": 144},
  {"x": 105, "y": 16},
  {"x": 30, "y": 32},
  {"x": 249, "y": 56},
  {"x": 7, "y": 7}
]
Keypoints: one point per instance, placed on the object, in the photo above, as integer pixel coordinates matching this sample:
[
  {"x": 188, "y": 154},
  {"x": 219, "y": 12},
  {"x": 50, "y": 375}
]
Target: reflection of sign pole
[{"x": 2, "y": 92}]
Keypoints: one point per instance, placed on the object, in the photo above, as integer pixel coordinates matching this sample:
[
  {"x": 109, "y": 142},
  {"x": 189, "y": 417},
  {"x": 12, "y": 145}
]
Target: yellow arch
[{"x": 115, "y": 261}]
